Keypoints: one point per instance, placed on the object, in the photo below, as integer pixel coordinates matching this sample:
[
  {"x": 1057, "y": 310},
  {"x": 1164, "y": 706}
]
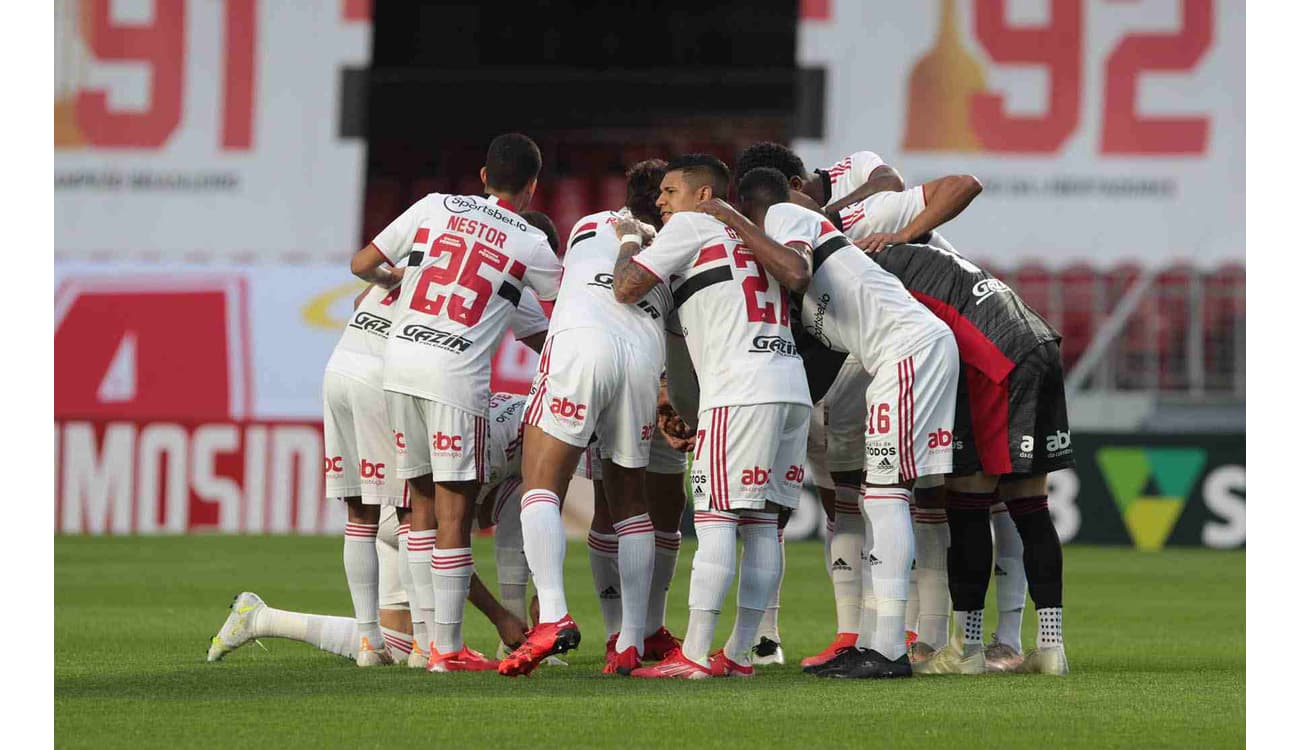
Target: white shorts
[
  {"x": 845, "y": 416},
  {"x": 391, "y": 593},
  {"x": 747, "y": 456},
  {"x": 449, "y": 444},
  {"x": 592, "y": 384},
  {"x": 664, "y": 459},
  {"x": 359, "y": 456},
  {"x": 910, "y": 404}
]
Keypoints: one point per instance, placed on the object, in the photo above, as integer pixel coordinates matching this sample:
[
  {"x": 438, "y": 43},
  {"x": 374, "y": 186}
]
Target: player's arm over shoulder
[
  {"x": 640, "y": 269},
  {"x": 391, "y": 246},
  {"x": 543, "y": 270},
  {"x": 874, "y": 176}
]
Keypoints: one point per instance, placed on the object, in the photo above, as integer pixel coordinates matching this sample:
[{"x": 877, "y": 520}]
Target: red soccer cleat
[
  {"x": 842, "y": 641},
  {"x": 911, "y": 638},
  {"x": 721, "y": 666},
  {"x": 659, "y": 644},
  {"x": 545, "y": 639},
  {"x": 609, "y": 647},
  {"x": 623, "y": 663},
  {"x": 675, "y": 666},
  {"x": 464, "y": 660}
]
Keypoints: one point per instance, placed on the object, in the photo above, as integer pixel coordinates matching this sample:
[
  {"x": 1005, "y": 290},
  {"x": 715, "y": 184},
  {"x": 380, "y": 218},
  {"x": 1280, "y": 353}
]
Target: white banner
[
  {"x": 206, "y": 128},
  {"x": 1102, "y": 131}
]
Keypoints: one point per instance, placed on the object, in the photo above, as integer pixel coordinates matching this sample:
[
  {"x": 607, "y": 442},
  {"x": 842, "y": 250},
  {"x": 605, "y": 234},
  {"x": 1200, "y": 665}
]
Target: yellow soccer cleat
[
  {"x": 954, "y": 658},
  {"x": 1049, "y": 660},
  {"x": 238, "y": 628},
  {"x": 369, "y": 656}
]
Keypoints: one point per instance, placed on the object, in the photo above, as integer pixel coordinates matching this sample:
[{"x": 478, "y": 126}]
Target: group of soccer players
[{"x": 822, "y": 323}]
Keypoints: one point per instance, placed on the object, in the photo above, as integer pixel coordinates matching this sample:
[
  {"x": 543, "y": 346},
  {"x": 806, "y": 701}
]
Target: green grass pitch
[{"x": 1156, "y": 641}]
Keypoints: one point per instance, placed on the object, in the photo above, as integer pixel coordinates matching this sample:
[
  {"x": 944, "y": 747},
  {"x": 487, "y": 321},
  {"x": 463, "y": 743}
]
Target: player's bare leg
[
  {"x": 665, "y": 499},
  {"x": 602, "y": 553},
  {"x": 1026, "y": 500},
  {"x": 970, "y": 563},
  {"x": 361, "y": 565},
  {"x": 548, "y": 465},
  {"x": 625, "y": 493},
  {"x": 930, "y": 525},
  {"x": 452, "y": 565},
  {"x": 251, "y": 619}
]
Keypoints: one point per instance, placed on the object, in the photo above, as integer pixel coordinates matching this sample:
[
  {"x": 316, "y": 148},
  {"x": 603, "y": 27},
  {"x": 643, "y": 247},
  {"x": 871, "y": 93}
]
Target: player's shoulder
[{"x": 592, "y": 223}]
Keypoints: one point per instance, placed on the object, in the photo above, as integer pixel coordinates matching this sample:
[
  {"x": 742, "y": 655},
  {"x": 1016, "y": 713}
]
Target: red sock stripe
[
  {"x": 830, "y": 526},
  {"x": 702, "y": 517},
  {"x": 877, "y": 493},
  {"x": 361, "y": 530},
  {"x": 752, "y": 521},
  {"x": 535, "y": 496},
  {"x": 397, "y": 644},
  {"x": 844, "y": 506},
  {"x": 404, "y": 529},
  {"x": 666, "y": 544},
  {"x": 780, "y": 536},
  {"x": 936, "y": 517},
  {"x": 971, "y": 500},
  {"x": 634, "y": 526},
  {"x": 453, "y": 560},
  {"x": 1023, "y": 505},
  {"x": 602, "y": 543}
]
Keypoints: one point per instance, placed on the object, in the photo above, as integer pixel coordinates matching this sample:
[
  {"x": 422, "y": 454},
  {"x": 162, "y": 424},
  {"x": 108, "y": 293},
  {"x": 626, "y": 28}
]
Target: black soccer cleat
[
  {"x": 875, "y": 665},
  {"x": 844, "y": 661}
]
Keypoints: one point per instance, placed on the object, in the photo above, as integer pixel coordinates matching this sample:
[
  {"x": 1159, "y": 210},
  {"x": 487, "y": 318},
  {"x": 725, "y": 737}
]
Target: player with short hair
[
  {"x": 1012, "y": 429},
  {"x": 598, "y": 379},
  {"x": 850, "y": 304},
  {"x": 753, "y": 407},
  {"x": 476, "y": 258}
]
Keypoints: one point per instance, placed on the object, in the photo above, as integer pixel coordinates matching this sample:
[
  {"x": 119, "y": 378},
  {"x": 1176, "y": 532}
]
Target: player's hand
[
  {"x": 720, "y": 210},
  {"x": 395, "y": 276},
  {"x": 627, "y": 225},
  {"x": 874, "y": 243},
  {"x": 679, "y": 435}
]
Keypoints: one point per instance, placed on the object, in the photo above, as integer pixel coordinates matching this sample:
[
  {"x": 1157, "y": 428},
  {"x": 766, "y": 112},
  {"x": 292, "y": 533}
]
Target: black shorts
[{"x": 1017, "y": 426}]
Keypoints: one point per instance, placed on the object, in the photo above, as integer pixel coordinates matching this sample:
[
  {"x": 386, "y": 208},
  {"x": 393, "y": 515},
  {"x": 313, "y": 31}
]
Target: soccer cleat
[
  {"x": 842, "y": 641},
  {"x": 554, "y": 661},
  {"x": 1047, "y": 660},
  {"x": 1001, "y": 657},
  {"x": 954, "y": 659},
  {"x": 237, "y": 629},
  {"x": 464, "y": 660},
  {"x": 918, "y": 652},
  {"x": 369, "y": 656},
  {"x": 912, "y": 637},
  {"x": 845, "y": 660},
  {"x": 674, "y": 666},
  {"x": 545, "y": 639},
  {"x": 767, "y": 651},
  {"x": 721, "y": 666},
  {"x": 877, "y": 666},
  {"x": 623, "y": 662},
  {"x": 659, "y": 644},
  {"x": 609, "y": 646},
  {"x": 418, "y": 658}
]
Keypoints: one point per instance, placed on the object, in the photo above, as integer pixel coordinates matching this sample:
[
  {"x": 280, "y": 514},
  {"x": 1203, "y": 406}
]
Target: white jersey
[
  {"x": 360, "y": 350},
  {"x": 851, "y": 304},
  {"x": 735, "y": 316},
  {"x": 887, "y": 212},
  {"x": 586, "y": 297},
  {"x": 848, "y": 174},
  {"x": 476, "y": 258}
]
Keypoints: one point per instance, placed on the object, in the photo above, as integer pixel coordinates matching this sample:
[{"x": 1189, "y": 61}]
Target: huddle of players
[{"x": 717, "y": 278}]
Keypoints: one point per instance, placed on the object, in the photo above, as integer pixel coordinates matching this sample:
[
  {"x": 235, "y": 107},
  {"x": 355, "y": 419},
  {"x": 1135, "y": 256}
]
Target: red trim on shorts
[{"x": 990, "y": 410}]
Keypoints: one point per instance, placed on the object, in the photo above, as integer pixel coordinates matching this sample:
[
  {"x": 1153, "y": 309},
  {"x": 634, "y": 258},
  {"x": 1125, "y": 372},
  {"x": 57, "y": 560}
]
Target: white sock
[
  {"x": 846, "y": 558},
  {"x": 1008, "y": 577},
  {"x": 361, "y": 565},
  {"x": 829, "y": 534},
  {"x": 419, "y": 633},
  {"x": 452, "y": 569},
  {"x": 913, "y": 616},
  {"x": 602, "y": 553},
  {"x": 970, "y": 628},
  {"x": 337, "y": 635},
  {"x": 1049, "y": 627},
  {"x": 770, "y": 627},
  {"x": 508, "y": 549},
  {"x": 398, "y": 643},
  {"x": 760, "y": 571},
  {"x": 891, "y": 558},
  {"x": 544, "y": 542},
  {"x": 419, "y": 551},
  {"x": 667, "y": 546},
  {"x": 636, "y": 561},
  {"x": 930, "y": 526},
  {"x": 867, "y": 624},
  {"x": 712, "y": 572}
]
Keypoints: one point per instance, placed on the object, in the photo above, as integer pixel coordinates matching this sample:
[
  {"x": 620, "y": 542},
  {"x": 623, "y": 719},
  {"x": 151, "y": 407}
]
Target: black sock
[
  {"x": 970, "y": 555},
  {"x": 1043, "y": 563}
]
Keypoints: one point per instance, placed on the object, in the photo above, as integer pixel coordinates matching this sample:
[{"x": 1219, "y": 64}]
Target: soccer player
[
  {"x": 1012, "y": 428},
  {"x": 598, "y": 378},
  {"x": 851, "y": 304},
  {"x": 476, "y": 257},
  {"x": 753, "y": 406}
]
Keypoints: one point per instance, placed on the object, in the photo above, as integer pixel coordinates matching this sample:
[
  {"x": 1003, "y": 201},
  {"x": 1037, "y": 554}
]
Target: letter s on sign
[{"x": 1224, "y": 491}]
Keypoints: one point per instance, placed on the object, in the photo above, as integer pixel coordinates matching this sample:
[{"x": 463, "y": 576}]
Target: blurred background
[{"x": 218, "y": 161}]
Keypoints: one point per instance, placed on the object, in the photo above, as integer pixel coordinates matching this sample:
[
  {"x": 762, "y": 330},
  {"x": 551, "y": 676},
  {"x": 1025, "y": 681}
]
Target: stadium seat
[
  {"x": 1081, "y": 309},
  {"x": 383, "y": 204}
]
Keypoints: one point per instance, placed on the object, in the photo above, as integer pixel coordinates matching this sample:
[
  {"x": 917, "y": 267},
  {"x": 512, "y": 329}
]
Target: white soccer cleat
[
  {"x": 767, "y": 652},
  {"x": 418, "y": 658},
  {"x": 237, "y": 630},
  {"x": 953, "y": 659},
  {"x": 1049, "y": 660},
  {"x": 1001, "y": 657},
  {"x": 369, "y": 656}
]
